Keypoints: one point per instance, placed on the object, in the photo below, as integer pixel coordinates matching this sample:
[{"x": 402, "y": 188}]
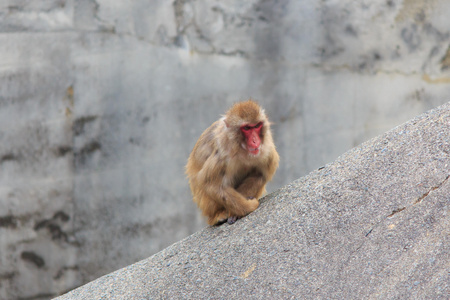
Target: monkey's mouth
[{"x": 253, "y": 151}]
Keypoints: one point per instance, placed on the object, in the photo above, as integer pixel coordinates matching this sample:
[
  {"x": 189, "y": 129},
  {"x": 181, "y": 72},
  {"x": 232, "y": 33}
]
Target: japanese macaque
[{"x": 231, "y": 163}]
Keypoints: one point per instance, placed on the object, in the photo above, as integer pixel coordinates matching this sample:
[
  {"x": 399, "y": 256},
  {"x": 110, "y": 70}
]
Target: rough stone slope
[{"x": 374, "y": 224}]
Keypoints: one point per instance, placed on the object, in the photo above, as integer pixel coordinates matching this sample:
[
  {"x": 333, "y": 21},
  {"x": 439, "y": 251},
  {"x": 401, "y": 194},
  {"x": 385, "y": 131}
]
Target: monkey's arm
[
  {"x": 235, "y": 203},
  {"x": 253, "y": 186},
  {"x": 224, "y": 202},
  {"x": 272, "y": 164},
  {"x": 217, "y": 198}
]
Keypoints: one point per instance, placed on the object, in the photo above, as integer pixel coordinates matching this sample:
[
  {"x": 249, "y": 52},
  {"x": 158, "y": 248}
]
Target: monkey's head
[{"x": 247, "y": 124}]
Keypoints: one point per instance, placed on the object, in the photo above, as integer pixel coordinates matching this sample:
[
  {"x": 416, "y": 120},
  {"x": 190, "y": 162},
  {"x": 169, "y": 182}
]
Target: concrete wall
[{"x": 102, "y": 101}]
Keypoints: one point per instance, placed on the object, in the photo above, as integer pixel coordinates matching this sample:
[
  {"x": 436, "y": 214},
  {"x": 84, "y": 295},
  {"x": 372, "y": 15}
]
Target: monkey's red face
[{"x": 252, "y": 134}]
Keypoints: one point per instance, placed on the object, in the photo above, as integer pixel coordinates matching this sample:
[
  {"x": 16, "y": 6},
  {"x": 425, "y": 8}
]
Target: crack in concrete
[
  {"x": 398, "y": 210},
  {"x": 431, "y": 189},
  {"x": 355, "y": 69},
  {"x": 395, "y": 211}
]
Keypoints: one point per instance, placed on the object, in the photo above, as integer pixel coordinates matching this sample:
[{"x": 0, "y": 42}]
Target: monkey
[{"x": 231, "y": 163}]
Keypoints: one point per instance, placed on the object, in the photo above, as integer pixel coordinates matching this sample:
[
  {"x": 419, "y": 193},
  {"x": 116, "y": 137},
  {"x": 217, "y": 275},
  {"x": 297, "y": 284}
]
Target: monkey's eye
[
  {"x": 259, "y": 125},
  {"x": 246, "y": 128}
]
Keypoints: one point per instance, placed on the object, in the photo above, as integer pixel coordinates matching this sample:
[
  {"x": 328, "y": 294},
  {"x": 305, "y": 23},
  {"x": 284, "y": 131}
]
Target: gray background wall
[{"x": 102, "y": 101}]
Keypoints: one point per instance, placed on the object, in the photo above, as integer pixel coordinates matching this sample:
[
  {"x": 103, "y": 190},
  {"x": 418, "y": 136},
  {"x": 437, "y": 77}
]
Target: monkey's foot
[
  {"x": 232, "y": 219},
  {"x": 219, "y": 218},
  {"x": 221, "y": 221}
]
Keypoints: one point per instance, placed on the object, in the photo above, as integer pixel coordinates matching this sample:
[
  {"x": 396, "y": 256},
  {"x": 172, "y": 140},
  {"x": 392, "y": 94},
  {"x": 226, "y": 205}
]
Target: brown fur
[{"x": 225, "y": 179}]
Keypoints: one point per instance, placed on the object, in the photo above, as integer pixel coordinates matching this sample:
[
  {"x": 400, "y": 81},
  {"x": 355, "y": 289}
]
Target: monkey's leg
[
  {"x": 219, "y": 218},
  {"x": 252, "y": 187},
  {"x": 220, "y": 203},
  {"x": 237, "y": 205},
  {"x": 213, "y": 210}
]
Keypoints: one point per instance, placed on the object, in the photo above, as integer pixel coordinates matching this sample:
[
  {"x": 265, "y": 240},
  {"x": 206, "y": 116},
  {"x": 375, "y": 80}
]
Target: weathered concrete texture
[
  {"x": 101, "y": 102},
  {"x": 373, "y": 224}
]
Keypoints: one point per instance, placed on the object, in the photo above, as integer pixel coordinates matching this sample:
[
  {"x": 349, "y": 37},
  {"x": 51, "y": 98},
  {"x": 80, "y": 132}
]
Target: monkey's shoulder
[
  {"x": 207, "y": 144},
  {"x": 208, "y": 136}
]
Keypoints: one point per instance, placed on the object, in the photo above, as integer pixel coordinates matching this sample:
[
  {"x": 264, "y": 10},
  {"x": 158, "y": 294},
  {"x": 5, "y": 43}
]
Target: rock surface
[{"x": 374, "y": 224}]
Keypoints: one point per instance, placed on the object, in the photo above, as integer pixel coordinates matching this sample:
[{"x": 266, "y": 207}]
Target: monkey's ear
[{"x": 226, "y": 122}]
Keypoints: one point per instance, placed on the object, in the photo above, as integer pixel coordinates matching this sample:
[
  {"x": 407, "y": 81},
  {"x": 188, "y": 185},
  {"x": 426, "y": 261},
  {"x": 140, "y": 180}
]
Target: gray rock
[{"x": 373, "y": 224}]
